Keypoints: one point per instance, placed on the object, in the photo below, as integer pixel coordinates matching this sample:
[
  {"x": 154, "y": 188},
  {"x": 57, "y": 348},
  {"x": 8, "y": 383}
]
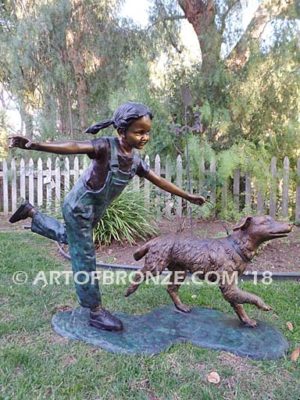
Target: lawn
[{"x": 36, "y": 363}]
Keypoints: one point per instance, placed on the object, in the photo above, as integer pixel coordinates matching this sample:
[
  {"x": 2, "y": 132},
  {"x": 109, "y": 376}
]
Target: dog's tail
[{"x": 142, "y": 251}]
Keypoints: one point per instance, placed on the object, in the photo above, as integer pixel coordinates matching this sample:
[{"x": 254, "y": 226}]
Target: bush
[{"x": 127, "y": 219}]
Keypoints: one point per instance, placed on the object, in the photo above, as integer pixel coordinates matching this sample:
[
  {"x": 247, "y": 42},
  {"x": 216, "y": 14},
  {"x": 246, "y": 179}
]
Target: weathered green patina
[{"x": 156, "y": 331}]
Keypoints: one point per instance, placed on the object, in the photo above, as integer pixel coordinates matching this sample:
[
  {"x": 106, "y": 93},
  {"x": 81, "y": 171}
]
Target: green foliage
[
  {"x": 127, "y": 219},
  {"x": 246, "y": 157},
  {"x": 249, "y": 159},
  {"x": 247, "y": 114},
  {"x": 265, "y": 101},
  {"x": 54, "y": 52}
]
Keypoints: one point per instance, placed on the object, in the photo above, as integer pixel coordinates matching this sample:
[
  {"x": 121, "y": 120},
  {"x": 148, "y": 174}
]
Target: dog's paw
[
  {"x": 251, "y": 323},
  {"x": 183, "y": 307},
  {"x": 130, "y": 290},
  {"x": 266, "y": 307}
]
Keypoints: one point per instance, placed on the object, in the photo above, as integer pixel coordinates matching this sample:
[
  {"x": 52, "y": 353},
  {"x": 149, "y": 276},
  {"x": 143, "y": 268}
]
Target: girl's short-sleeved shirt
[{"x": 96, "y": 173}]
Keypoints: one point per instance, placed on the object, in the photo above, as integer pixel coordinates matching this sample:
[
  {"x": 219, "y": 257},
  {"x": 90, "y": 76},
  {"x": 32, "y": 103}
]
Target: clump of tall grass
[{"x": 126, "y": 220}]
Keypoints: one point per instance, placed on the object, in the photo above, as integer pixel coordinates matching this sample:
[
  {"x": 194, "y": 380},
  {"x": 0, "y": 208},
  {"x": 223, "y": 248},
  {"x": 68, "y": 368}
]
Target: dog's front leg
[
  {"x": 176, "y": 279},
  {"x": 241, "y": 313},
  {"x": 236, "y": 297}
]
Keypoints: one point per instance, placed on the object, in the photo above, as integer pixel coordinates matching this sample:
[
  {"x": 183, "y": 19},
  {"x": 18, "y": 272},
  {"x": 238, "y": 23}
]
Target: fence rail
[{"x": 45, "y": 182}]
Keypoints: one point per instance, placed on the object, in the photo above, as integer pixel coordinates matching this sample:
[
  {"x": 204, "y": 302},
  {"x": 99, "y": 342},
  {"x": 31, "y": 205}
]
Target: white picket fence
[{"x": 45, "y": 183}]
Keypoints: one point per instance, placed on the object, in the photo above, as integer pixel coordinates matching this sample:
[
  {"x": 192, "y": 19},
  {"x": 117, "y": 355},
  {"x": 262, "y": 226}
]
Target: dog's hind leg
[
  {"x": 139, "y": 277},
  {"x": 236, "y": 297},
  {"x": 176, "y": 279},
  {"x": 148, "y": 271}
]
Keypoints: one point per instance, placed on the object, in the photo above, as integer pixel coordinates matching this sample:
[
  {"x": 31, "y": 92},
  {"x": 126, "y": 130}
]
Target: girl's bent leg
[{"x": 49, "y": 227}]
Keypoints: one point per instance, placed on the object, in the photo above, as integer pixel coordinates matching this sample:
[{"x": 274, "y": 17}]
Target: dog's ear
[{"x": 243, "y": 224}]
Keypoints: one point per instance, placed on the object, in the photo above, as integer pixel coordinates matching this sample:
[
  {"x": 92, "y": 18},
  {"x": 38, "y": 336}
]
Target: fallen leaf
[
  {"x": 295, "y": 354},
  {"x": 213, "y": 377},
  {"x": 290, "y": 326},
  {"x": 194, "y": 296}
]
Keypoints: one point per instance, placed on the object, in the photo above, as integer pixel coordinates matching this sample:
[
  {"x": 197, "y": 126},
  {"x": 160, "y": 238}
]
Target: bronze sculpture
[
  {"x": 114, "y": 163},
  {"x": 219, "y": 259}
]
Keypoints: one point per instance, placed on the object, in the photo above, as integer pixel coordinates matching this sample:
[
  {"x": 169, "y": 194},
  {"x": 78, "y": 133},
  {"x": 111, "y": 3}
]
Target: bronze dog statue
[{"x": 228, "y": 255}]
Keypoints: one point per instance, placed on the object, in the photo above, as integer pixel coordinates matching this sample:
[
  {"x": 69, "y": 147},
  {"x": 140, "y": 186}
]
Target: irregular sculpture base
[{"x": 156, "y": 331}]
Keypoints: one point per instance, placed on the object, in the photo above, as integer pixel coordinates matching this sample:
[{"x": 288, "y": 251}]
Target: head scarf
[{"x": 123, "y": 117}]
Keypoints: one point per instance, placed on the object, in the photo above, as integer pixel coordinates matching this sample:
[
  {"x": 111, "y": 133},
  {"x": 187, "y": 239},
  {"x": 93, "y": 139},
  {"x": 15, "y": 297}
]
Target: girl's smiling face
[{"x": 137, "y": 134}]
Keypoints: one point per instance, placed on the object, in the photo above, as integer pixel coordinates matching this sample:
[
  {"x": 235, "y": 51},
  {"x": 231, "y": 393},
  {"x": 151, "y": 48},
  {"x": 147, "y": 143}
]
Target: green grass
[{"x": 35, "y": 363}]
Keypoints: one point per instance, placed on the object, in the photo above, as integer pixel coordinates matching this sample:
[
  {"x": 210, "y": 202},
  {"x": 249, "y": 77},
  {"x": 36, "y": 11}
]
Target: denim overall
[{"x": 82, "y": 209}]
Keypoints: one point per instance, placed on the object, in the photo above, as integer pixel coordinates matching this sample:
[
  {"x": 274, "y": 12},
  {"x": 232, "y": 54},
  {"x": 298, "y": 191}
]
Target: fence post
[
  {"x": 31, "y": 181},
  {"x": 76, "y": 169},
  {"x": 168, "y": 196},
  {"x": 5, "y": 187},
  {"x": 157, "y": 170},
  {"x": 225, "y": 195},
  {"x": 67, "y": 176},
  {"x": 213, "y": 191},
  {"x": 57, "y": 183},
  {"x": 297, "y": 214},
  {"x": 179, "y": 184},
  {"x": 247, "y": 192},
  {"x": 48, "y": 182},
  {"x": 260, "y": 202},
  {"x": 40, "y": 182},
  {"x": 86, "y": 162},
  {"x": 147, "y": 186},
  {"x": 236, "y": 189},
  {"x": 201, "y": 173},
  {"x": 273, "y": 188},
  {"x": 22, "y": 179},
  {"x": 13, "y": 186},
  {"x": 285, "y": 188}
]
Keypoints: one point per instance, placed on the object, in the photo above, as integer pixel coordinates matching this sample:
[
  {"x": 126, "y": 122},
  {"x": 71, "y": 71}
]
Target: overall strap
[
  {"x": 114, "y": 163},
  {"x": 135, "y": 163}
]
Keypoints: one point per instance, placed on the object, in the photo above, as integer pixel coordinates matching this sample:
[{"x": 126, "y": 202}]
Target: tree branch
[
  {"x": 166, "y": 18},
  {"x": 264, "y": 14}
]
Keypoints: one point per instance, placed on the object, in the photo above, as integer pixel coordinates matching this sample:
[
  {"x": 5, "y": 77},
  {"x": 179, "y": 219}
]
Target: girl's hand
[
  {"x": 199, "y": 200},
  {"x": 19, "y": 141}
]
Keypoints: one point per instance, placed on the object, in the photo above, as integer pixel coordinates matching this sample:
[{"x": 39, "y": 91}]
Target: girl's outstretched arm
[
  {"x": 171, "y": 188},
  {"x": 71, "y": 147}
]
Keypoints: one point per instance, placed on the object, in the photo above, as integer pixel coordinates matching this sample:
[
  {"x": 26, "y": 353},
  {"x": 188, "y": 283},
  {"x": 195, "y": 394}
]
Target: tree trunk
[{"x": 201, "y": 14}]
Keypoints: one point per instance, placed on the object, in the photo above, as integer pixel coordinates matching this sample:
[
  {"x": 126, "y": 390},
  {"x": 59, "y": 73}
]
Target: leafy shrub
[{"x": 127, "y": 219}]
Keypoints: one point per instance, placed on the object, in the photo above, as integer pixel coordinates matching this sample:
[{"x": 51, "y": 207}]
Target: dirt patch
[{"x": 6, "y": 226}]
